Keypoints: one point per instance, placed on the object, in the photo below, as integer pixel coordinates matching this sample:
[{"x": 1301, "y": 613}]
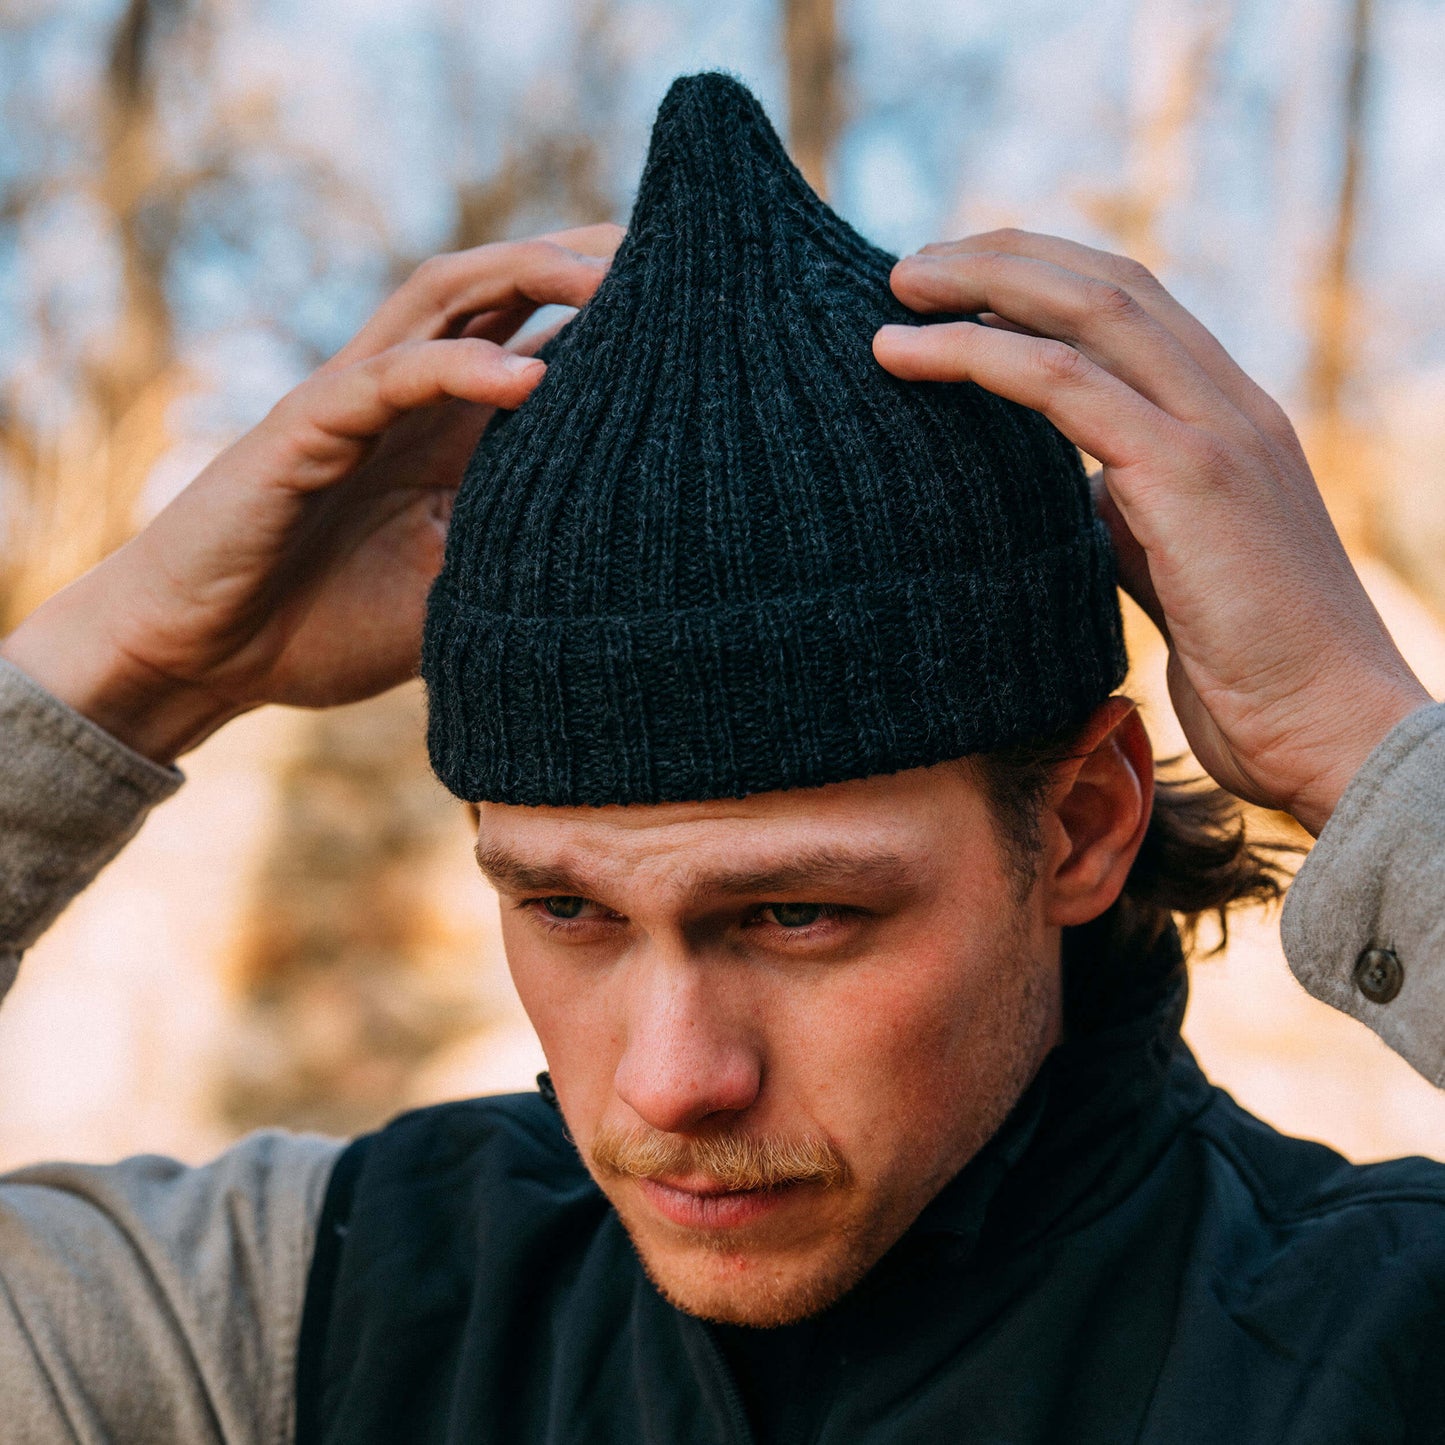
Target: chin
[{"x": 733, "y": 1284}]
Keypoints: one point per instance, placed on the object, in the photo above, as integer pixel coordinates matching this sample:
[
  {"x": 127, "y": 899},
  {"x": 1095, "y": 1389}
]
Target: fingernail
[{"x": 523, "y": 364}]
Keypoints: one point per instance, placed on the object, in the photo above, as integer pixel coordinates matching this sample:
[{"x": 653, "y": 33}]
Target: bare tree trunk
[
  {"x": 77, "y": 488},
  {"x": 348, "y": 971},
  {"x": 1342, "y": 453},
  {"x": 1161, "y": 126},
  {"x": 1331, "y": 361},
  {"x": 814, "y": 58},
  {"x": 133, "y": 382}
]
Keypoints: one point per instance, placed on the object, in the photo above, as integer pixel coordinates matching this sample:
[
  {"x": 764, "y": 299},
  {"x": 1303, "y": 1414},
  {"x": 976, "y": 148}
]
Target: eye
[
  {"x": 569, "y": 916},
  {"x": 796, "y": 915}
]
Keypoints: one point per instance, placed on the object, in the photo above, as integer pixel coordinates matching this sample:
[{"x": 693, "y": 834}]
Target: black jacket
[{"x": 1132, "y": 1258}]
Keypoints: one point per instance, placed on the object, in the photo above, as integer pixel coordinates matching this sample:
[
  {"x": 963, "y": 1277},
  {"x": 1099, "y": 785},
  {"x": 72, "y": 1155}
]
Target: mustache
[{"x": 731, "y": 1161}]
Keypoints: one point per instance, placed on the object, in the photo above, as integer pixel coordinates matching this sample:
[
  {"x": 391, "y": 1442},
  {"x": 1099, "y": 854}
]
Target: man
[{"x": 780, "y": 678}]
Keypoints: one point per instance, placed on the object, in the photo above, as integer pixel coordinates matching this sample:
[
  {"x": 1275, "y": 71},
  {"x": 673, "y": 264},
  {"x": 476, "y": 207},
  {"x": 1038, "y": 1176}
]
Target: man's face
[{"x": 776, "y": 1025}]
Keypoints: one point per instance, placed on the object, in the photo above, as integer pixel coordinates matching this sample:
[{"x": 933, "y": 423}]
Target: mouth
[{"x": 702, "y": 1205}]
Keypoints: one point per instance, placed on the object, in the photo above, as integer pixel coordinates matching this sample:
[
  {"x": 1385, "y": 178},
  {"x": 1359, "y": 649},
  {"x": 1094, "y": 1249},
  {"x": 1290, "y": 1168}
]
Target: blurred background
[{"x": 201, "y": 199}]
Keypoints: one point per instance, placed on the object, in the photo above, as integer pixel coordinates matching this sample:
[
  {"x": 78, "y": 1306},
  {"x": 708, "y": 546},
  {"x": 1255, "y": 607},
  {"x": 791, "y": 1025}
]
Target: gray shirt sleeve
[
  {"x": 71, "y": 797},
  {"x": 1364, "y": 921},
  {"x": 139, "y": 1301},
  {"x": 147, "y": 1301}
]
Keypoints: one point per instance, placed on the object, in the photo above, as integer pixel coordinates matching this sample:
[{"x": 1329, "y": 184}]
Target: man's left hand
[{"x": 1282, "y": 673}]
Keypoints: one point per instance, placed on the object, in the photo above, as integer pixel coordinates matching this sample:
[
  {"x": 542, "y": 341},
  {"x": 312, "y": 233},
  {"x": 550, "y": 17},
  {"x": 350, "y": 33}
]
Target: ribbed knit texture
[{"x": 722, "y": 551}]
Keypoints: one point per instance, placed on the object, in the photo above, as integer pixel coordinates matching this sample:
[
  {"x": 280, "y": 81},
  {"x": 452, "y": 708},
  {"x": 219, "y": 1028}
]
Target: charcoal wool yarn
[{"x": 721, "y": 551}]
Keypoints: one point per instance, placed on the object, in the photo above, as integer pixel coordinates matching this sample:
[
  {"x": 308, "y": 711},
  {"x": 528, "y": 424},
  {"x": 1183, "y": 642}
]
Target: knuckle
[
  {"x": 989, "y": 267},
  {"x": 385, "y": 370},
  {"x": 1109, "y": 300},
  {"x": 1134, "y": 275},
  {"x": 1059, "y": 362},
  {"x": 386, "y": 361},
  {"x": 431, "y": 274},
  {"x": 290, "y": 410},
  {"x": 536, "y": 254},
  {"x": 381, "y": 374},
  {"x": 1276, "y": 424},
  {"x": 476, "y": 350},
  {"x": 1211, "y": 455},
  {"x": 1007, "y": 238}
]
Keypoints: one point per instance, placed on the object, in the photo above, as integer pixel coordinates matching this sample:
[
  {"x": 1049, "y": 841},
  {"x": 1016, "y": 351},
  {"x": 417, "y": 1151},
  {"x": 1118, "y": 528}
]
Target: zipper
[{"x": 740, "y": 1431}]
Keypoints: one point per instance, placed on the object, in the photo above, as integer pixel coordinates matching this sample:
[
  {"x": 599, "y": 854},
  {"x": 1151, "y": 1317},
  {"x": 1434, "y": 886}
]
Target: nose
[{"x": 687, "y": 1057}]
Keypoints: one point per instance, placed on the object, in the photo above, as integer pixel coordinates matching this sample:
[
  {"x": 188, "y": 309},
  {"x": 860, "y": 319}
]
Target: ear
[
  {"x": 474, "y": 814},
  {"x": 1096, "y": 815}
]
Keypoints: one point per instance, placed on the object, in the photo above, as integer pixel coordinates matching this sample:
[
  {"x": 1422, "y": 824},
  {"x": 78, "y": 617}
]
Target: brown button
[{"x": 1379, "y": 974}]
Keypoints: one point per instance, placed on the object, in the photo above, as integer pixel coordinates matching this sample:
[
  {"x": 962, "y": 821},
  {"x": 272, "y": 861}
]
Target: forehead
[{"x": 870, "y": 826}]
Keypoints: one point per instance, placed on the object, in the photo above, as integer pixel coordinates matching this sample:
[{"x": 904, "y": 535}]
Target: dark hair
[{"x": 1197, "y": 859}]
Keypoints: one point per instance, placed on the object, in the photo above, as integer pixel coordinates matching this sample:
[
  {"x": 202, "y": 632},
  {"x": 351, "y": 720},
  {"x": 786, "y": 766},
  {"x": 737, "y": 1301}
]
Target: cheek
[
  {"x": 906, "y": 1059},
  {"x": 570, "y": 1008}
]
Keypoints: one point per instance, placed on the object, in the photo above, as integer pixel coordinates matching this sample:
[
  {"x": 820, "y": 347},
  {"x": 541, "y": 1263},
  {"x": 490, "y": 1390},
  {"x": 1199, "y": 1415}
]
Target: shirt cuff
[
  {"x": 1363, "y": 925},
  {"x": 71, "y": 796}
]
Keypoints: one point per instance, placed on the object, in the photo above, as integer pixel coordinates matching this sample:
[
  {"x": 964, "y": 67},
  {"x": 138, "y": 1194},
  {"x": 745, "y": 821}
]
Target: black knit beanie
[{"x": 721, "y": 551}]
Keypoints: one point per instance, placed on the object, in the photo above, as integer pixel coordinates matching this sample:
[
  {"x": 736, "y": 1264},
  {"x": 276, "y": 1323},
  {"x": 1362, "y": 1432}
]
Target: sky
[{"x": 961, "y": 114}]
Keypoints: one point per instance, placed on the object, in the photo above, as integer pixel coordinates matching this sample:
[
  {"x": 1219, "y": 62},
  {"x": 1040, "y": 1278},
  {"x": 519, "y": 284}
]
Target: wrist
[
  {"x": 1370, "y": 721},
  {"x": 154, "y": 716}
]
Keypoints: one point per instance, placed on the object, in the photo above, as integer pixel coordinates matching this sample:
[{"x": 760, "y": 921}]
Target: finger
[
  {"x": 599, "y": 241},
  {"x": 1002, "y": 323},
  {"x": 1091, "y": 406},
  {"x": 602, "y": 239},
  {"x": 446, "y": 291},
  {"x": 1133, "y": 561},
  {"x": 1250, "y": 399},
  {"x": 1098, "y": 317},
  {"x": 501, "y": 325},
  {"x": 520, "y": 345},
  {"x": 329, "y": 418}
]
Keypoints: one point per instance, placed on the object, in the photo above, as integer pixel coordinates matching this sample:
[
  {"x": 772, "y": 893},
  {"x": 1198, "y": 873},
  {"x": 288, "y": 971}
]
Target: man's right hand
[{"x": 295, "y": 568}]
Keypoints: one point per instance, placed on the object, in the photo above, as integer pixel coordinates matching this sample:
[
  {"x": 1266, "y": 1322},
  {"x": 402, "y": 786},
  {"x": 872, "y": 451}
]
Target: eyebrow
[
  {"x": 831, "y": 868},
  {"x": 516, "y": 875},
  {"x": 814, "y": 867}
]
